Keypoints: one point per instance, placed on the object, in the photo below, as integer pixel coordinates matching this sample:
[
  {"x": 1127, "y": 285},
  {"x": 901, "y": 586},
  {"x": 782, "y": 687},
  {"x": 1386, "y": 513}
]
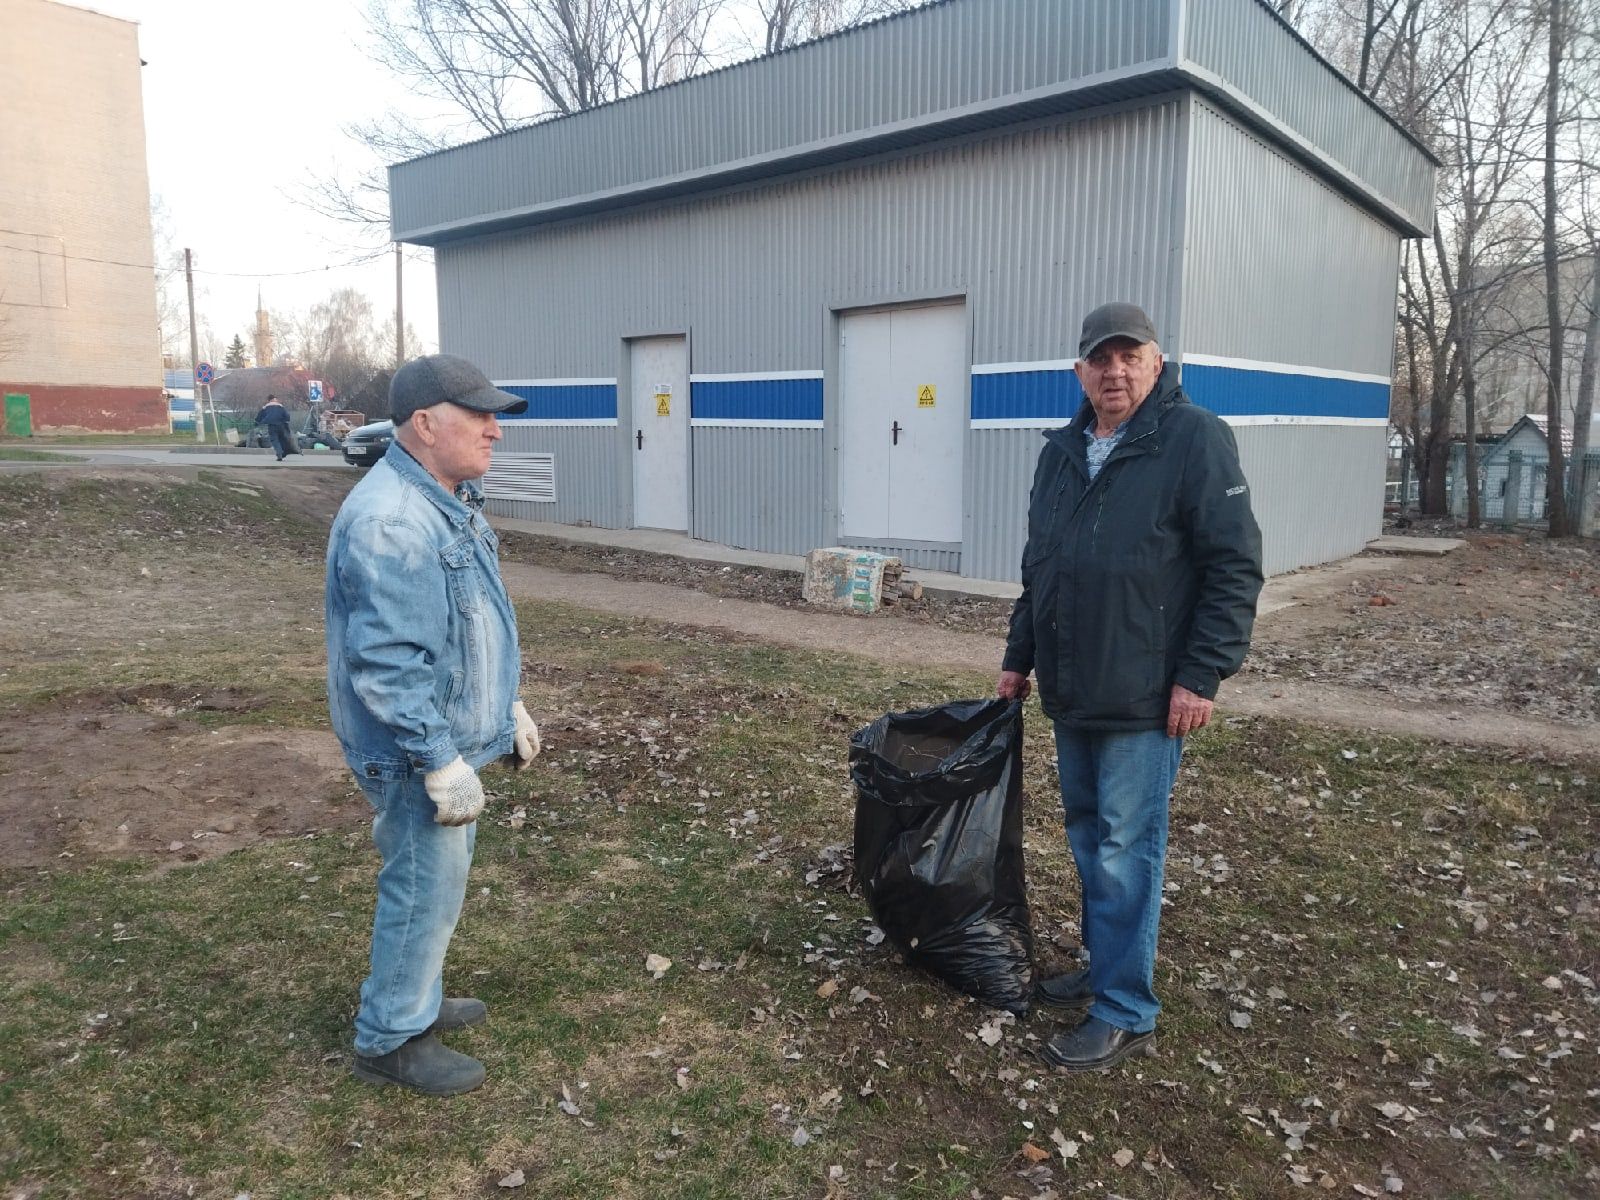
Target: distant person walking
[
  {"x": 276, "y": 418},
  {"x": 423, "y": 670}
]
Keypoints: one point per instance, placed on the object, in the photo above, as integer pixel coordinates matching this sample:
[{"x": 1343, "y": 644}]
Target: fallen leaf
[
  {"x": 514, "y": 1180},
  {"x": 1067, "y": 1147},
  {"x": 800, "y": 1136},
  {"x": 657, "y": 965},
  {"x": 1034, "y": 1154},
  {"x": 1123, "y": 1157},
  {"x": 828, "y": 988},
  {"x": 1391, "y": 1109},
  {"x": 1239, "y": 1020},
  {"x": 990, "y": 1033}
]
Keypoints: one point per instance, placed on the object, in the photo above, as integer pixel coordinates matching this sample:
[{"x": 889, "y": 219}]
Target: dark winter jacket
[
  {"x": 273, "y": 414},
  {"x": 1144, "y": 578}
]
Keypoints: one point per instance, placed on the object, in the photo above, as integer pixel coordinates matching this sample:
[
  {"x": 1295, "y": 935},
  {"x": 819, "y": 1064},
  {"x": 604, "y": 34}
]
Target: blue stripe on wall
[
  {"x": 1238, "y": 392},
  {"x": 1226, "y": 391},
  {"x": 1026, "y": 395},
  {"x": 566, "y": 401},
  {"x": 757, "y": 400}
]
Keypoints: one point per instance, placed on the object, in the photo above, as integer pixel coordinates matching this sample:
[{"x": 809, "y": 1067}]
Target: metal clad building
[{"x": 832, "y": 296}]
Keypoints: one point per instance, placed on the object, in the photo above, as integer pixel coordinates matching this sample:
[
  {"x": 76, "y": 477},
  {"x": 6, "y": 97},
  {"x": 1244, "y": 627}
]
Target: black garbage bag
[{"x": 938, "y": 851}]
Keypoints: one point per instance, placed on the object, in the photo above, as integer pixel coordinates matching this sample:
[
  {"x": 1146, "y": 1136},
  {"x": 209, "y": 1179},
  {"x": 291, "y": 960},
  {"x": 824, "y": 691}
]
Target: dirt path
[{"x": 899, "y": 642}]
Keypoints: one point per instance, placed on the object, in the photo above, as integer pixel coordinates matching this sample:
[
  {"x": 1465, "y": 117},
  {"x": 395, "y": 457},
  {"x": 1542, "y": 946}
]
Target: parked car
[{"x": 367, "y": 444}]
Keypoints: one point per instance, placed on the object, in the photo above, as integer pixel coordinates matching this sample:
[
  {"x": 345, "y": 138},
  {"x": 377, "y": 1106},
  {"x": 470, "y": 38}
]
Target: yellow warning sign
[
  {"x": 663, "y": 404},
  {"x": 926, "y": 394}
]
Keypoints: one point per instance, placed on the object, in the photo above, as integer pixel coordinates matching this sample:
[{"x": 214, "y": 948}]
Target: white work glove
[
  {"x": 526, "y": 737},
  {"x": 455, "y": 792}
]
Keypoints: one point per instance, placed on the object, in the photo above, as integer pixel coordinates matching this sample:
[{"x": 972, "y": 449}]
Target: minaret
[{"x": 263, "y": 334}]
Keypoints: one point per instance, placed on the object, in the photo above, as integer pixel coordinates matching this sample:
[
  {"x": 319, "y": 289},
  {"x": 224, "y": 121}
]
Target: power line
[{"x": 113, "y": 262}]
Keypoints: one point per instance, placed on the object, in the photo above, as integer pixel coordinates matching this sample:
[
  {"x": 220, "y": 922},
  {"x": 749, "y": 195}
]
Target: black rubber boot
[
  {"x": 457, "y": 1012},
  {"x": 424, "y": 1064}
]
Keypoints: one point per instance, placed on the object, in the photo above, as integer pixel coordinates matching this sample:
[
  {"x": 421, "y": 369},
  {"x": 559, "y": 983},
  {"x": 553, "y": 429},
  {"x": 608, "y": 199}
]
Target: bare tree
[
  {"x": 172, "y": 318},
  {"x": 785, "y": 23},
  {"x": 339, "y": 341},
  {"x": 1473, "y": 79},
  {"x": 1557, "y": 471},
  {"x": 497, "y": 65}
]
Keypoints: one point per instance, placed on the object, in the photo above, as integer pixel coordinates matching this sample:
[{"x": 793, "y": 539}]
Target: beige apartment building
[{"x": 78, "y": 327}]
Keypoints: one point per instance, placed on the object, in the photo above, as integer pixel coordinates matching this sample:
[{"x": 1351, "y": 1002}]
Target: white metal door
[
  {"x": 903, "y": 387},
  {"x": 660, "y": 370},
  {"x": 866, "y": 359}
]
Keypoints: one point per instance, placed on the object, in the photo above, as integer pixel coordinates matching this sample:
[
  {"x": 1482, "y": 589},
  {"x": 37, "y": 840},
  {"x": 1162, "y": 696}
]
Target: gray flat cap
[
  {"x": 435, "y": 378},
  {"x": 1113, "y": 321}
]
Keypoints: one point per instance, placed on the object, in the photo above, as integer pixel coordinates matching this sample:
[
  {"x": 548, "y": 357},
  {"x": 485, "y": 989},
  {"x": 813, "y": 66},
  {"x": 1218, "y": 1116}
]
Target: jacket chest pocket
[{"x": 466, "y": 586}]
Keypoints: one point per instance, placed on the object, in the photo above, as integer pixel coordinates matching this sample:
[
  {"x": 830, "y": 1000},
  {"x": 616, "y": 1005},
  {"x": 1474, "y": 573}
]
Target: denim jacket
[{"x": 423, "y": 662}]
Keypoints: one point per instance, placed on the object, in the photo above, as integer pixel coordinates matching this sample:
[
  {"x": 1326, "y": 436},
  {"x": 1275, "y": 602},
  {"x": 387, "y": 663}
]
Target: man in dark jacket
[
  {"x": 276, "y": 418},
  {"x": 1139, "y": 585}
]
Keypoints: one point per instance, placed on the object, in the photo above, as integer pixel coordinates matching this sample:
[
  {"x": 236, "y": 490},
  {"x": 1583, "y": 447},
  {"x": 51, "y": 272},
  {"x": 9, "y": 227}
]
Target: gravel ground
[
  {"x": 780, "y": 588},
  {"x": 1508, "y": 622}
]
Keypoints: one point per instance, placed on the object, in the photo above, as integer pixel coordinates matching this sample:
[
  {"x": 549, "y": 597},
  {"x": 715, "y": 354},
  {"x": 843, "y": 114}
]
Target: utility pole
[
  {"x": 399, "y": 310},
  {"x": 194, "y": 351}
]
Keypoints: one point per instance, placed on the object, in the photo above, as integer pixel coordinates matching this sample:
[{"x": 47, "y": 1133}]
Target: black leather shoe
[
  {"x": 457, "y": 1012},
  {"x": 1064, "y": 991},
  {"x": 1094, "y": 1046}
]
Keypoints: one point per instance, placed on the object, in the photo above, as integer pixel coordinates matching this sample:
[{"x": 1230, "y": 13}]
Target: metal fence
[{"x": 1514, "y": 491}]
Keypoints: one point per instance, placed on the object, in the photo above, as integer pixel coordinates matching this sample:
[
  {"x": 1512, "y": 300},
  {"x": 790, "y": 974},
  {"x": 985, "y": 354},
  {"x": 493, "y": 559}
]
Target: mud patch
[{"x": 132, "y": 777}]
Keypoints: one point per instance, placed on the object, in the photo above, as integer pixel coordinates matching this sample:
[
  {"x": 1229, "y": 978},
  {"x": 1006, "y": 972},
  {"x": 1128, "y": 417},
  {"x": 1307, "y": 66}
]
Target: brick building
[{"x": 78, "y": 326}]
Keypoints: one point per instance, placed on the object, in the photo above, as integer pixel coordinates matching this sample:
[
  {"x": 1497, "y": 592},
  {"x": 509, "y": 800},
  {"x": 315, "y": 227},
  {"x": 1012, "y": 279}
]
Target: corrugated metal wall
[
  {"x": 1034, "y": 227},
  {"x": 1283, "y": 270},
  {"x": 943, "y": 58},
  {"x": 591, "y": 487},
  {"x": 1000, "y": 467},
  {"x": 1254, "y": 53},
  {"x": 760, "y": 488},
  {"x": 1317, "y": 490}
]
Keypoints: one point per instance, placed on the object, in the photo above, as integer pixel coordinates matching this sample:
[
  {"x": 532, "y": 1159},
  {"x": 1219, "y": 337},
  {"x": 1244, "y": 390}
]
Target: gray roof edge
[
  {"x": 639, "y": 97},
  {"x": 1348, "y": 83},
  {"x": 1361, "y": 190},
  {"x": 1059, "y": 99},
  {"x": 1155, "y": 76}
]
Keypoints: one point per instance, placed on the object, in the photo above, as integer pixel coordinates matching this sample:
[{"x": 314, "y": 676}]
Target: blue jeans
[
  {"x": 1115, "y": 789},
  {"x": 421, "y": 885}
]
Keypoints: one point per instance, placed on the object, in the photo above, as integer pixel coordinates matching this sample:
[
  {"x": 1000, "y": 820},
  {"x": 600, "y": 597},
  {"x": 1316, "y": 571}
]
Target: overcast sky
[{"x": 243, "y": 103}]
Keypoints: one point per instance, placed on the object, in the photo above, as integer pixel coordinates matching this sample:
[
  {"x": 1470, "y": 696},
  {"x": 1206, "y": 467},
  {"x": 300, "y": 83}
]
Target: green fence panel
[{"x": 19, "y": 415}]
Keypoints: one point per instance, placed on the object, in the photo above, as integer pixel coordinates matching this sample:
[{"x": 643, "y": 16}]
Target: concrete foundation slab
[{"x": 1425, "y": 547}]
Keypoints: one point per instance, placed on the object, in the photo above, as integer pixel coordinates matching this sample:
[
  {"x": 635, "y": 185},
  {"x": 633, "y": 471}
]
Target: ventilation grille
[{"x": 521, "y": 477}]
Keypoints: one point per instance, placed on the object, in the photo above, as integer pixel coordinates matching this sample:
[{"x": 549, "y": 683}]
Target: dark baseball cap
[
  {"x": 435, "y": 378},
  {"x": 1114, "y": 320}
]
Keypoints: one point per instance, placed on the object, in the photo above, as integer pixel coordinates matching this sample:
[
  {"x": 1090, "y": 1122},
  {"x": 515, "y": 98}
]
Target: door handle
[
  {"x": 641, "y": 439},
  {"x": 895, "y": 430}
]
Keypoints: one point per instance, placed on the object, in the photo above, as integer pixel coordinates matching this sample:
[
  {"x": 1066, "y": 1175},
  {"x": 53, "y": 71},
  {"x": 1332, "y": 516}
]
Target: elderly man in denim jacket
[{"x": 423, "y": 668}]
